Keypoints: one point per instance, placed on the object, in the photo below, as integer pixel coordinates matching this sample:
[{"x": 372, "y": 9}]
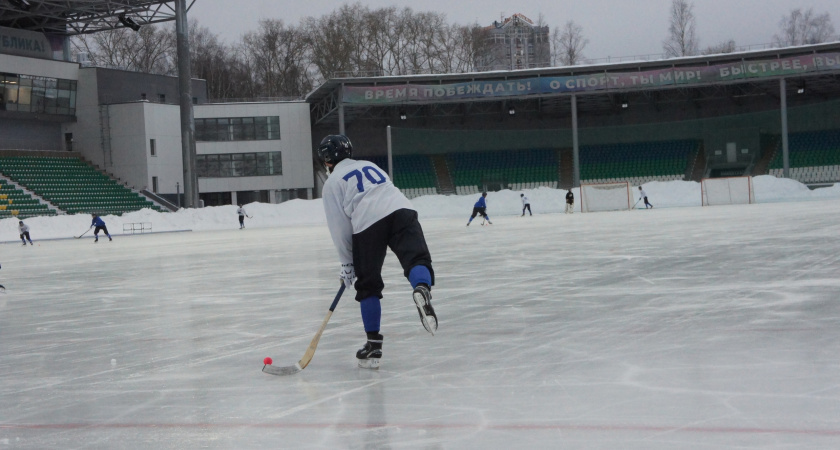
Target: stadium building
[
  {"x": 75, "y": 138},
  {"x": 771, "y": 111}
]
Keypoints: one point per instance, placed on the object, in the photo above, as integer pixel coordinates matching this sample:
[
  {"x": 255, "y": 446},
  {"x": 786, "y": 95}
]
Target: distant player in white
[
  {"x": 241, "y": 212},
  {"x": 24, "y": 233},
  {"x": 526, "y": 204},
  {"x": 643, "y": 195},
  {"x": 366, "y": 215}
]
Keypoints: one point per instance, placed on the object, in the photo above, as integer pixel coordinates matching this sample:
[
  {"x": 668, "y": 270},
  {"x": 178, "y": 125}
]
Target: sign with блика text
[
  {"x": 24, "y": 43},
  {"x": 604, "y": 81}
]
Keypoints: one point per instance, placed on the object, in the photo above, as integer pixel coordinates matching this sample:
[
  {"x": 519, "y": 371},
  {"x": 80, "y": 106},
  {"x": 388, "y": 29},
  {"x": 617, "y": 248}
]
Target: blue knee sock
[
  {"x": 419, "y": 274},
  {"x": 371, "y": 313}
]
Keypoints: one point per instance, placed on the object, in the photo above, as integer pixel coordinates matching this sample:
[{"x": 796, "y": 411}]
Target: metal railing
[
  {"x": 23, "y": 144},
  {"x": 256, "y": 99}
]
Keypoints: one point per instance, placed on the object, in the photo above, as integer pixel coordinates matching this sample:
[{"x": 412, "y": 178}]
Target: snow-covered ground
[
  {"x": 669, "y": 194},
  {"x": 679, "y": 327}
]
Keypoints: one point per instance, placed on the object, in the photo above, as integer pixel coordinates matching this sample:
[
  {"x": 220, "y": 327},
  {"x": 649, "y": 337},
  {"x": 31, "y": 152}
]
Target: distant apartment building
[{"x": 514, "y": 43}]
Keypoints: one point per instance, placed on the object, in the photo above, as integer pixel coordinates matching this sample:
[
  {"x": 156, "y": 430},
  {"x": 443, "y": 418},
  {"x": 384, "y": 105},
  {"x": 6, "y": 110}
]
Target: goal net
[
  {"x": 727, "y": 191},
  {"x": 605, "y": 196}
]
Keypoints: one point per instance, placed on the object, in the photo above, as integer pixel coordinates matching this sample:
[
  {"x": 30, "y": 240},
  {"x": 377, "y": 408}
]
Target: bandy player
[{"x": 366, "y": 215}]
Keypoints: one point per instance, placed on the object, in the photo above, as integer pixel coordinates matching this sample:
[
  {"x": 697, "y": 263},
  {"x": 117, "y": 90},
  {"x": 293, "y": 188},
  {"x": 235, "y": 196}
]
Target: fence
[{"x": 137, "y": 228}]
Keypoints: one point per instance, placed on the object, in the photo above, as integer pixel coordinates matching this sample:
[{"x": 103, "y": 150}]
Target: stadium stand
[
  {"x": 71, "y": 185},
  {"x": 15, "y": 202},
  {"x": 415, "y": 174},
  {"x": 814, "y": 157},
  {"x": 638, "y": 162},
  {"x": 518, "y": 169}
]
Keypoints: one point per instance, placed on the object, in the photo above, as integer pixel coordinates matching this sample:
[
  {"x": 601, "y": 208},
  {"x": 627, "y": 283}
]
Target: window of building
[
  {"x": 239, "y": 164},
  {"x": 152, "y": 148},
  {"x": 237, "y": 129},
  {"x": 215, "y": 198},
  {"x": 273, "y": 127},
  {"x": 29, "y": 93},
  {"x": 155, "y": 184},
  {"x": 162, "y": 98}
]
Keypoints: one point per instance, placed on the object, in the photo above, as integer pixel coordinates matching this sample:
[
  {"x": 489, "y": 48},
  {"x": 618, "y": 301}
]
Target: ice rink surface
[{"x": 681, "y": 328}]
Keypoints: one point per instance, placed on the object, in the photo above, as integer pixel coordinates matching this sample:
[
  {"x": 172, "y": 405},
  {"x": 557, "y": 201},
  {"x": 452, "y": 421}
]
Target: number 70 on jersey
[{"x": 370, "y": 173}]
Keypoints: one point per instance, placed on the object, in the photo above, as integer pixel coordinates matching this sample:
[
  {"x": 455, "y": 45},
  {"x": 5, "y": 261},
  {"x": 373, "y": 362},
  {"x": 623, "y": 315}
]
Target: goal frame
[
  {"x": 704, "y": 200},
  {"x": 584, "y": 204}
]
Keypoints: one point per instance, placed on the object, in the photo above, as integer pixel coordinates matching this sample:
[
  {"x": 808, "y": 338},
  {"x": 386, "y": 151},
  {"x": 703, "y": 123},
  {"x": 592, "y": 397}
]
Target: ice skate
[
  {"x": 370, "y": 354},
  {"x": 422, "y": 298}
]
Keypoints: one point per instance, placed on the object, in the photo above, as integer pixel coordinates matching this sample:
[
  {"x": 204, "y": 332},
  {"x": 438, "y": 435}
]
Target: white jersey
[
  {"x": 525, "y": 200},
  {"x": 356, "y": 195},
  {"x": 642, "y": 193},
  {"x": 241, "y": 211},
  {"x": 23, "y": 228}
]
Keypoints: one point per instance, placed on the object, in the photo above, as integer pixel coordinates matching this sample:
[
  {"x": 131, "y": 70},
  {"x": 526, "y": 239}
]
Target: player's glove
[{"x": 348, "y": 274}]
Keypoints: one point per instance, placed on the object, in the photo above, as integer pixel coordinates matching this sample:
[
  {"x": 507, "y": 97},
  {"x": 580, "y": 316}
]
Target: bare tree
[
  {"x": 542, "y": 43},
  {"x": 568, "y": 44},
  {"x": 148, "y": 50},
  {"x": 727, "y": 46},
  {"x": 433, "y": 41},
  {"x": 803, "y": 28},
  {"x": 337, "y": 40},
  {"x": 221, "y": 66},
  {"x": 478, "y": 45},
  {"x": 382, "y": 28},
  {"x": 282, "y": 60},
  {"x": 455, "y": 50},
  {"x": 419, "y": 35},
  {"x": 682, "y": 40},
  {"x": 277, "y": 54}
]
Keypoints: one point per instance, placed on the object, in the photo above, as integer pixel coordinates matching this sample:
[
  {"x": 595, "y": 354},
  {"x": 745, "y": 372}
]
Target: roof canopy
[
  {"x": 71, "y": 17},
  {"x": 598, "y": 87}
]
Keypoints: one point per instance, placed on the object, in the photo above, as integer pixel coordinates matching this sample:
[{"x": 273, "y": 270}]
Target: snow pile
[{"x": 662, "y": 194}]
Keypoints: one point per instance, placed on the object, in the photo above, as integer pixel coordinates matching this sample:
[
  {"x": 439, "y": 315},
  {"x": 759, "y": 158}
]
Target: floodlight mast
[{"x": 187, "y": 118}]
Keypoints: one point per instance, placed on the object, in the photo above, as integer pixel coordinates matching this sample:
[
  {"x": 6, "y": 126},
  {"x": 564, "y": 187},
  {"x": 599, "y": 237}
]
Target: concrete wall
[
  {"x": 121, "y": 86},
  {"x": 87, "y": 138},
  {"x": 39, "y": 67},
  {"x": 18, "y": 134},
  {"x": 294, "y": 143},
  {"x": 132, "y": 127},
  {"x": 163, "y": 124}
]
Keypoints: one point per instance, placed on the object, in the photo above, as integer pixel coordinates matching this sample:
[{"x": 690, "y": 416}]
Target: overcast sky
[{"x": 614, "y": 27}]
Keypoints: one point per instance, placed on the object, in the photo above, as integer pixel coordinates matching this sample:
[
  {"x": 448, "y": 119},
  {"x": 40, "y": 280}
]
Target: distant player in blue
[
  {"x": 480, "y": 207},
  {"x": 100, "y": 225}
]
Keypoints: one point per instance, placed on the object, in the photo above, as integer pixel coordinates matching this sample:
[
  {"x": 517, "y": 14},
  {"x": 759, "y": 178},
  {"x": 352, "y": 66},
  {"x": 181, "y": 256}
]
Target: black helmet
[{"x": 335, "y": 148}]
